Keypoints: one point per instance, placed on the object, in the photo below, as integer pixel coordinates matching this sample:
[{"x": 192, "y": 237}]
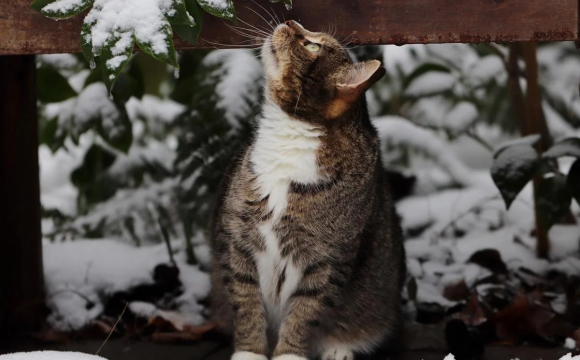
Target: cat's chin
[{"x": 269, "y": 59}]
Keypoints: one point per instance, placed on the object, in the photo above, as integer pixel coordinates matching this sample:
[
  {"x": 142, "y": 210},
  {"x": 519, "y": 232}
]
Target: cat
[{"x": 307, "y": 248}]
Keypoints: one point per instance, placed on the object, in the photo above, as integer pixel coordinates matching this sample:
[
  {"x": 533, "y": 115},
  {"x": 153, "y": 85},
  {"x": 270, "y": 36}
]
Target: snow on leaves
[
  {"x": 112, "y": 27},
  {"x": 517, "y": 163},
  {"x": 220, "y": 8},
  {"x": 61, "y": 9}
]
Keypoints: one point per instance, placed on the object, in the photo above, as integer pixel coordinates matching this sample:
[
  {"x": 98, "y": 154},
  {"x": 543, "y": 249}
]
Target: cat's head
[{"x": 311, "y": 76}]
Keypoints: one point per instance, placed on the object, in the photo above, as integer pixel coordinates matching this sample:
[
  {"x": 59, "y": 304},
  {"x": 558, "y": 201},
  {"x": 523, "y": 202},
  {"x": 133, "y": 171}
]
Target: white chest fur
[{"x": 284, "y": 152}]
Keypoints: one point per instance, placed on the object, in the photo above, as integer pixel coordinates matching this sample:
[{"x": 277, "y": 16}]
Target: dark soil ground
[{"x": 207, "y": 350}]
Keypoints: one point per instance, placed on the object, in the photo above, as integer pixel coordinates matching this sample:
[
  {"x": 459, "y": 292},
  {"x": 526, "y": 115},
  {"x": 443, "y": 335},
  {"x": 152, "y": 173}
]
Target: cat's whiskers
[
  {"x": 346, "y": 38},
  {"x": 259, "y": 30},
  {"x": 275, "y": 15},
  {"x": 255, "y": 12},
  {"x": 255, "y": 31},
  {"x": 267, "y": 12},
  {"x": 296, "y": 106},
  {"x": 247, "y": 46},
  {"x": 248, "y": 35}
]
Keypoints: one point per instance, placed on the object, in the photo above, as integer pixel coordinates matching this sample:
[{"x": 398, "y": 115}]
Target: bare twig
[
  {"x": 480, "y": 140},
  {"x": 113, "y": 329}
]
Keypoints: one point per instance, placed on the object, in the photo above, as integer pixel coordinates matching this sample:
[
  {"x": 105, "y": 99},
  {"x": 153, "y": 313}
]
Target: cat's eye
[{"x": 312, "y": 47}]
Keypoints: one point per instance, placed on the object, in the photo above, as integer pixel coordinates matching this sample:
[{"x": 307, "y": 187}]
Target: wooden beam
[
  {"x": 21, "y": 275},
  {"x": 24, "y": 31}
]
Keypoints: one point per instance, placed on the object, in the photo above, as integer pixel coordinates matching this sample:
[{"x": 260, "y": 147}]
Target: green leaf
[
  {"x": 573, "y": 181},
  {"x": 425, "y": 68},
  {"x": 167, "y": 56},
  {"x": 89, "y": 178},
  {"x": 129, "y": 83},
  {"x": 87, "y": 44},
  {"x": 60, "y": 9},
  {"x": 566, "y": 147},
  {"x": 96, "y": 160},
  {"x": 512, "y": 168},
  {"x": 179, "y": 15},
  {"x": 190, "y": 77},
  {"x": 187, "y": 32},
  {"x": 552, "y": 200},
  {"x": 96, "y": 75},
  {"x": 288, "y": 3},
  {"x": 52, "y": 86},
  {"x": 156, "y": 72},
  {"x": 47, "y": 131},
  {"x": 412, "y": 289},
  {"x": 118, "y": 134},
  {"x": 115, "y": 55},
  {"x": 224, "y": 9}
]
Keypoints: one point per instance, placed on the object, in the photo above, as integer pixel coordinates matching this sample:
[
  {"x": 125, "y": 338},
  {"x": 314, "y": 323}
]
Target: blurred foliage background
[{"x": 143, "y": 163}]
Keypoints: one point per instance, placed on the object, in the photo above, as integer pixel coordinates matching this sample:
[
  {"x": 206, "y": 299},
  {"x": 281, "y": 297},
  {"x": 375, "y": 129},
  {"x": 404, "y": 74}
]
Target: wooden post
[{"x": 21, "y": 275}]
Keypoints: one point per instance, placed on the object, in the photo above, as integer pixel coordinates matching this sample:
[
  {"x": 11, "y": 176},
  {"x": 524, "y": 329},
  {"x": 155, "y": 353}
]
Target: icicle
[
  {"x": 92, "y": 65},
  {"x": 176, "y": 73}
]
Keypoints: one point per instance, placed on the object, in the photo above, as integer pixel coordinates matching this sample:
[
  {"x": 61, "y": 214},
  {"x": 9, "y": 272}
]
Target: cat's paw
[
  {"x": 337, "y": 354},
  {"x": 289, "y": 357},
  {"x": 247, "y": 355}
]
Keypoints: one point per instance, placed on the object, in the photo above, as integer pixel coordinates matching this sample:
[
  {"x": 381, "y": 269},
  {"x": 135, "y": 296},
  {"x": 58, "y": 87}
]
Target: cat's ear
[{"x": 357, "y": 80}]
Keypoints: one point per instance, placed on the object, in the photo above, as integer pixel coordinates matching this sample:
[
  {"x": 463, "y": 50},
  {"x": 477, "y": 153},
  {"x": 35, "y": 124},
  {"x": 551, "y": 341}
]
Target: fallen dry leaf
[
  {"x": 457, "y": 291},
  {"x": 472, "y": 314},
  {"x": 189, "y": 333},
  {"x": 51, "y": 335},
  {"x": 489, "y": 259}
]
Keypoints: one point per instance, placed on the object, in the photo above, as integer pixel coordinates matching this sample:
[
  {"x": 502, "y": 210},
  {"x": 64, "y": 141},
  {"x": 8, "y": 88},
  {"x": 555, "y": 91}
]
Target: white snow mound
[{"x": 50, "y": 355}]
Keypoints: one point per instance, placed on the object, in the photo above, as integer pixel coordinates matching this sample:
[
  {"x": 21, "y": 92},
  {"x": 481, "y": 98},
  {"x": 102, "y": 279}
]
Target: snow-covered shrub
[{"x": 162, "y": 183}]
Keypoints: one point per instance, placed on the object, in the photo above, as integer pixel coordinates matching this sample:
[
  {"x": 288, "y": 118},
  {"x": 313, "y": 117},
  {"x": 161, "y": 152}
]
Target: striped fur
[{"x": 307, "y": 251}]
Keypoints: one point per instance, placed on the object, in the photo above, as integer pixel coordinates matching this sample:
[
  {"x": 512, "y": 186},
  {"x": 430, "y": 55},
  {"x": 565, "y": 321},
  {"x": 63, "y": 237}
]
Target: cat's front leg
[
  {"x": 315, "y": 293},
  {"x": 250, "y": 339}
]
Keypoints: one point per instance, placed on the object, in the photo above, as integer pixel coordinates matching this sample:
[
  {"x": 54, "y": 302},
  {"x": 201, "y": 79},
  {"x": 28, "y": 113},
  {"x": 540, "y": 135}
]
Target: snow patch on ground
[
  {"x": 50, "y": 355},
  {"x": 570, "y": 344},
  {"x": 84, "y": 272}
]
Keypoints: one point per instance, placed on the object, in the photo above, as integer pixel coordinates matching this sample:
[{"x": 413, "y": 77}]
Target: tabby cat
[{"x": 307, "y": 249}]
